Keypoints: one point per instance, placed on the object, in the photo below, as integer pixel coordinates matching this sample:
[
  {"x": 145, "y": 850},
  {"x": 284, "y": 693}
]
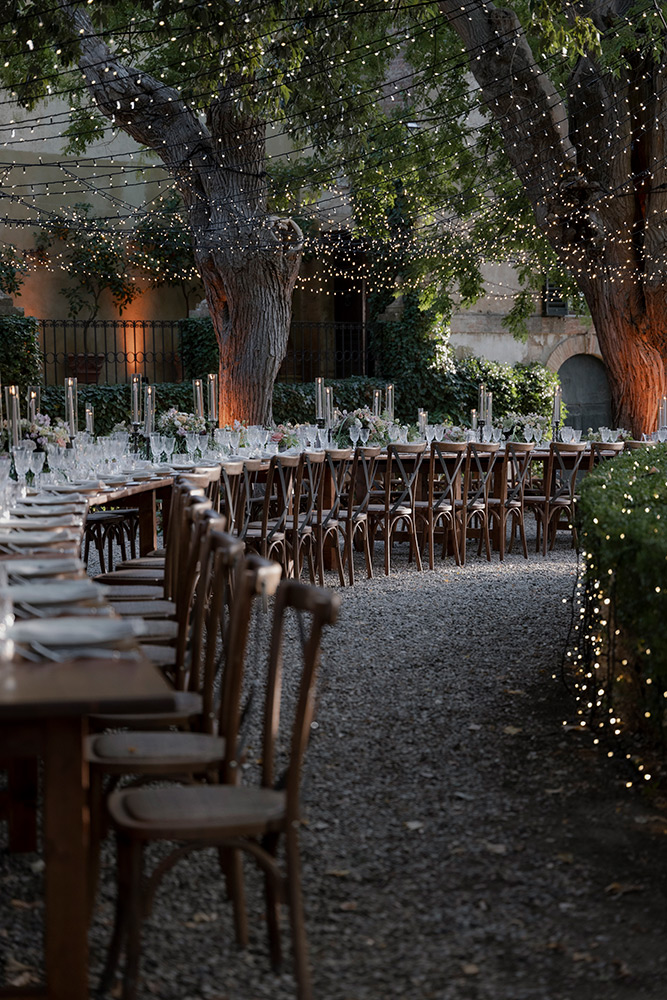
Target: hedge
[
  {"x": 20, "y": 355},
  {"x": 623, "y": 534}
]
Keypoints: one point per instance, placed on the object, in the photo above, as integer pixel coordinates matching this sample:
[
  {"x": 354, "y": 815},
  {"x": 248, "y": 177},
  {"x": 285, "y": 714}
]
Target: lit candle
[
  {"x": 422, "y": 420},
  {"x": 212, "y": 381},
  {"x": 319, "y": 399},
  {"x": 33, "y": 403},
  {"x": 90, "y": 417},
  {"x": 482, "y": 402},
  {"x": 135, "y": 386},
  {"x": 198, "y": 394},
  {"x": 557, "y": 402},
  {"x": 13, "y": 415},
  {"x": 389, "y": 402},
  {"x": 489, "y": 408},
  {"x": 473, "y": 419},
  {"x": 377, "y": 402},
  {"x": 149, "y": 411},
  {"x": 71, "y": 406},
  {"x": 328, "y": 406}
]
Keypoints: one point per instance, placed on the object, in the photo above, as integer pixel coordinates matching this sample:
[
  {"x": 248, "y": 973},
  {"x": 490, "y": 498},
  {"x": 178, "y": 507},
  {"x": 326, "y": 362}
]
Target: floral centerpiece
[
  {"x": 44, "y": 432},
  {"x": 285, "y": 436},
  {"x": 176, "y": 424},
  {"x": 515, "y": 425},
  {"x": 378, "y": 427}
]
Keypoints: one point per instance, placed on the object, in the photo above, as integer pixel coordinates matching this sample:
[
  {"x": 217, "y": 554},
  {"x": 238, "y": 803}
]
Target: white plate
[
  {"x": 48, "y": 510},
  {"x": 91, "y": 486},
  {"x": 56, "y": 592},
  {"x": 47, "y": 498},
  {"x": 43, "y": 567},
  {"x": 54, "y": 632},
  {"x": 31, "y": 538}
]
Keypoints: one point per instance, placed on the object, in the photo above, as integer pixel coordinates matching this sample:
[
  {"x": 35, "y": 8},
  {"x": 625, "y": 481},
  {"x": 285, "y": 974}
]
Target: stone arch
[{"x": 580, "y": 343}]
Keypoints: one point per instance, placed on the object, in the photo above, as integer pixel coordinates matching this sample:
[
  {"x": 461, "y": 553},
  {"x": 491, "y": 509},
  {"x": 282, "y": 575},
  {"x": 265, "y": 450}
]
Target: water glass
[
  {"x": 567, "y": 434},
  {"x": 36, "y": 460},
  {"x": 21, "y": 456},
  {"x": 354, "y": 432}
]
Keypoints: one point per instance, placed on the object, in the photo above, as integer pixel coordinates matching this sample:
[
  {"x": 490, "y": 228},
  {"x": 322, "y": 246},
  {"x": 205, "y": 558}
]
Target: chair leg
[
  {"x": 297, "y": 917},
  {"x": 96, "y": 806},
  {"x": 130, "y": 875},
  {"x": 129, "y": 865},
  {"x": 231, "y": 862},
  {"x": 272, "y": 896}
]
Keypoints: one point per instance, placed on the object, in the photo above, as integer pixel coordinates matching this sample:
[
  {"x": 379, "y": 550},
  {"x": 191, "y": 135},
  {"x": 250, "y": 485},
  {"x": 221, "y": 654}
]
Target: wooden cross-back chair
[
  {"x": 233, "y": 817},
  {"x": 558, "y": 500},
  {"x": 473, "y": 508},
  {"x": 307, "y": 495},
  {"x": 327, "y": 523},
  {"x": 508, "y": 508},
  {"x": 438, "y": 511},
  {"x": 353, "y": 512},
  {"x": 228, "y": 584},
  {"x": 267, "y": 502},
  {"x": 401, "y": 475}
]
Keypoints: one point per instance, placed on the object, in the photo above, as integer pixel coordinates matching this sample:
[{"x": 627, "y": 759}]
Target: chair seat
[
  {"x": 141, "y": 562},
  {"x": 196, "y": 812},
  {"x": 149, "y": 750},
  {"x": 133, "y": 593},
  {"x": 144, "y": 609},
  {"x": 188, "y": 705},
  {"x": 132, "y": 576}
]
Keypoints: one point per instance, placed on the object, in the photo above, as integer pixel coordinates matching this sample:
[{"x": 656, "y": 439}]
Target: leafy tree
[
  {"x": 162, "y": 250},
  {"x": 95, "y": 262},
  {"x": 584, "y": 135}
]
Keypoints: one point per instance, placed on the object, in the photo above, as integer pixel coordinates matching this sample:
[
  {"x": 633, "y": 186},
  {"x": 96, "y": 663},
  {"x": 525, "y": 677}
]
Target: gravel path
[{"x": 459, "y": 843}]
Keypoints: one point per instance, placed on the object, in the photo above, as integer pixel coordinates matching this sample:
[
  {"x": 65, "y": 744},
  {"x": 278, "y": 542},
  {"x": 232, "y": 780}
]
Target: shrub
[
  {"x": 20, "y": 356},
  {"x": 623, "y": 532},
  {"x": 199, "y": 347}
]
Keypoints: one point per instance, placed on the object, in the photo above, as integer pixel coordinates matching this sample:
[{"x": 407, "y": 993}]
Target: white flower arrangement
[{"x": 177, "y": 424}]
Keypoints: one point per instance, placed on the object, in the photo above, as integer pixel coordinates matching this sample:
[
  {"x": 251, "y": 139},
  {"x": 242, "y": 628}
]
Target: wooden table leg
[
  {"x": 65, "y": 854},
  {"x": 22, "y": 804},
  {"x": 147, "y": 522}
]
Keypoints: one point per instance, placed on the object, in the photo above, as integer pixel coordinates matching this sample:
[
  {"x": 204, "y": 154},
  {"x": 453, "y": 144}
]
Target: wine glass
[
  {"x": 36, "y": 460},
  {"x": 567, "y": 434},
  {"x": 528, "y": 433},
  {"x": 21, "y": 456},
  {"x": 354, "y": 432},
  {"x": 191, "y": 444},
  {"x": 364, "y": 435},
  {"x": 168, "y": 445}
]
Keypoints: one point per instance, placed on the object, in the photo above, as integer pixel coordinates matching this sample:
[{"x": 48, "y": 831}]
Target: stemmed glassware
[
  {"x": 168, "y": 445},
  {"x": 355, "y": 433},
  {"x": 364, "y": 436},
  {"x": 36, "y": 460},
  {"x": 21, "y": 456},
  {"x": 191, "y": 443}
]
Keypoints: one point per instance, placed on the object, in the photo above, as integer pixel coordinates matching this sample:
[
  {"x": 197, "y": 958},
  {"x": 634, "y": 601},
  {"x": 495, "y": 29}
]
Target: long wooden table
[{"x": 43, "y": 709}]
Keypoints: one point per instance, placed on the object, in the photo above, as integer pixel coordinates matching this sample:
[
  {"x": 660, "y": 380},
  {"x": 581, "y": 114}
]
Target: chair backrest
[
  {"x": 362, "y": 477},
  {"x": 231, "y": 479},
  {"x": 403, "y": 465},
  {"x": 320, "y": 608},
  {"x": 181, "y": 493},
  {"x": 446, "y": 464},
  {"x": 518, "y": 455},
  {"x": 200, "y": 519},
  {"x": 279, "y": 496},
  {"x": 207, "y": 477},
  {"x": 478, "y": 475},
  {"x": 335, "y": 481},
  {"x": 602, "y": 450},
  {"x": 231, "y": 607},
  {"x": 307, "y": 488},
  {"x": 563, "y": 467},
  {"x": 252, "y": 492}
]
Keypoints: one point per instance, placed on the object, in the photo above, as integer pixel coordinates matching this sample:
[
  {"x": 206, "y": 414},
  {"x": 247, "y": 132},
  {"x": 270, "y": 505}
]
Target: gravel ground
[{"x": 459, "y": 843}]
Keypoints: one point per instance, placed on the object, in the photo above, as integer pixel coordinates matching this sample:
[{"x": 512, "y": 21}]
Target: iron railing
[{"x": 112, "y": 350}]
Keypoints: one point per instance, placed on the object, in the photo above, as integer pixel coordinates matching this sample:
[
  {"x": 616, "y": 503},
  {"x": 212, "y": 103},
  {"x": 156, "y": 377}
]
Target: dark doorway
[{"x": 585, "y": 392}]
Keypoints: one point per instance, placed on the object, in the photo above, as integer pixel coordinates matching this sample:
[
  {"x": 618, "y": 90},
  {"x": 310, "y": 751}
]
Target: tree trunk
[{"x": 251, "y": 309}]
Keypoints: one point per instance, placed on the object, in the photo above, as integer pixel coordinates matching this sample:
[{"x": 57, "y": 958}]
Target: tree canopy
[{"x": 531, "y": 133}]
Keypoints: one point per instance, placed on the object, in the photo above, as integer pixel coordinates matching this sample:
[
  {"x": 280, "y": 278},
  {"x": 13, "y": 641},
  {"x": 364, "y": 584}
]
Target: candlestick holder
[
  {"x": 139, "y": 440},
  {"x": 555, "y": 431},
  {"x": 480, "y": 430}
]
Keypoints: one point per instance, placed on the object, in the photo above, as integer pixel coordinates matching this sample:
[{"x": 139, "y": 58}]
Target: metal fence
[{"x": 112, "y": 350}]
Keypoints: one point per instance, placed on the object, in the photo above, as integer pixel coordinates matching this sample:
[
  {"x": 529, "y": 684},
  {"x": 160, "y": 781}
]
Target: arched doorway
[{"x": 585, "y": 392}]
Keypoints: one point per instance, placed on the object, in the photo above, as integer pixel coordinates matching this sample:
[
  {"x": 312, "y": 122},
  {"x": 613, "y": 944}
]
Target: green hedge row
[
  {"x": 623, "y": 535},
  {"x": 525, "y": 390},
  {"x": 447, "y": 393},
  {"x": 20, "y": 355}
]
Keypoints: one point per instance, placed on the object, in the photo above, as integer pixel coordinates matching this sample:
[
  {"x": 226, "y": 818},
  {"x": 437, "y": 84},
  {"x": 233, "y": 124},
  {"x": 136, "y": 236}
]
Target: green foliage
[
  {"x": 199, "y": 347},
  {"x": 112, "y": 402},
  {"x": 11, "y": 271},
  {"x": 623, "y": 532},
  {"x": 162, "y": 249},
  {"x": 20, "y": 355},
  {"x": 95, "y": 261}
]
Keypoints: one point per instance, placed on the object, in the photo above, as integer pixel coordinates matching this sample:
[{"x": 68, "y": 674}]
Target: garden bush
[
  {"x": 20, "y": 356},
  {"x": 623, "y": 534}
]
